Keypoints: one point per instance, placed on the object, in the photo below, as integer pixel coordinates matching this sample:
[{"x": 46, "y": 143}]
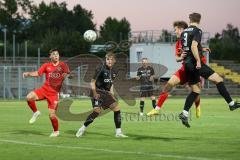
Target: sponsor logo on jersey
[{"x": 107, "y": 80}]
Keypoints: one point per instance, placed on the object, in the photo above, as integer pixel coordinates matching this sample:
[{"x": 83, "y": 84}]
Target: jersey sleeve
[
  {"x": 65, "y": 68},
  {"x": 197, "y": 36},
  {"x": 98, "y": 71},
  {"x": 139, "y": 72},
  {"x": 42, "y": 69},
  {"x": 177, "y": 47}
]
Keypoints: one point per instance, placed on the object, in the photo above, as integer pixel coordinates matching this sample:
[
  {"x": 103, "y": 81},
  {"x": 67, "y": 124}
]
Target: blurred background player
[
  {"x": 103, "y": 95},
  {"x": 55, "y": 72},
  {"x": 146, "y": 76}
]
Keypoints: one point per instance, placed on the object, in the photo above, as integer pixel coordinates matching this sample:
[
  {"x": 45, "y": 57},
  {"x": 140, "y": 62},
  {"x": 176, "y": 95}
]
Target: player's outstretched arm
[{"x": 30, "y": 74}]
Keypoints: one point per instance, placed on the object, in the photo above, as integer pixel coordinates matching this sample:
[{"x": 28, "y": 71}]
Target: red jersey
[
  {"x": 54, "y": 76},
  {"x": 179, "y": 46}
]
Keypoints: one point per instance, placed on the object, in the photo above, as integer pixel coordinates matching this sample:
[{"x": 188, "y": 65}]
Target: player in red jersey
[
  {"x": 55, "y": 72},
  {"x": 179, "y": 77}
]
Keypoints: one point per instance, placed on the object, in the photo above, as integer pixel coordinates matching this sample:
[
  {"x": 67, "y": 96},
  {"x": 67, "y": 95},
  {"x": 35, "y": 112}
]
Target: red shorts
[
  {"x": 52, "y": 99},
  {"x": 181, "y": 74}
]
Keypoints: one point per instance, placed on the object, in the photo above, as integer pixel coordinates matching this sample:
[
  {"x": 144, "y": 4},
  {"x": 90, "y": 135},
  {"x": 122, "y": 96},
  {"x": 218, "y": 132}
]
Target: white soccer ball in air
[{"x": 90, "y": 35}]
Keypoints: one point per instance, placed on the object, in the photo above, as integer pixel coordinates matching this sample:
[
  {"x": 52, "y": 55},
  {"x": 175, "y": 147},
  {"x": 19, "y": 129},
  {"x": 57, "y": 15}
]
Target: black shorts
[
  {"x": 205, "y": 71},
  {"x": 146, "y": 91},
  {"x": 105, "y": 100},
  {"x": 192, "y": 73}
]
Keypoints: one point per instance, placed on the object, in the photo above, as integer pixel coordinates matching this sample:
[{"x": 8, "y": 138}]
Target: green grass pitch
[{"x": 216, "y": 135}]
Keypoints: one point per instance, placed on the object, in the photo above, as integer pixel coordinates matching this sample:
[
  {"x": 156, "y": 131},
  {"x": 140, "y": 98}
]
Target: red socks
[
  {"x": 54, "y": 121},
  {"x": 161, "y": 99},
  {"x": 32, "y": 105}
]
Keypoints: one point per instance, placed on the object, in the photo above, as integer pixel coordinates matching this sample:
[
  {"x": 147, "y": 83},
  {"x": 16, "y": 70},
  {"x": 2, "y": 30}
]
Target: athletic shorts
[
  {"x": 205, "y": 71},
  {"x": 146, "y": 91},
  {"x": 181, "y": 75},
  {"x": 192, "y": 73},
  {"x": 105, "y": 100},
  {"x": 52, "y": 99}
]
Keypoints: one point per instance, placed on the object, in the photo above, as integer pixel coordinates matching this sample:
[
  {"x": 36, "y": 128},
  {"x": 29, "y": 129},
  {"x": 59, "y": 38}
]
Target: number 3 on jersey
[{"x": 185, "y": 36}]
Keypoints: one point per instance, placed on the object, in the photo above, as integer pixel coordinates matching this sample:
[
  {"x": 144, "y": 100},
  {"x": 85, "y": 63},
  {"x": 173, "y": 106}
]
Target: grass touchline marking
[{"x": 106, "y": 150}]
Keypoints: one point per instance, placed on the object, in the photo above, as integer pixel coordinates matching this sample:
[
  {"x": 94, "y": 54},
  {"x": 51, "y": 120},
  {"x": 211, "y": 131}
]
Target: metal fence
[{"x": 14, "y": 86}]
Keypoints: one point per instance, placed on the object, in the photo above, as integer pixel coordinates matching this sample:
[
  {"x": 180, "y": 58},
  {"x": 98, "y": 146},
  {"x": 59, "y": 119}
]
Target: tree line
[{"x": 53, "y": 25}]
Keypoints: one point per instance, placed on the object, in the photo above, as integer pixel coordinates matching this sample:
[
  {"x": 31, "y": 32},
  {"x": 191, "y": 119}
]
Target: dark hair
[
  {"x": 53, "y": 50},
  {"x": 180, "y": 24},
  {"x": 195, "y": 17}
]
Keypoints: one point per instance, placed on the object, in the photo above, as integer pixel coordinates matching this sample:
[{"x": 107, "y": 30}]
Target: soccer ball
[{"x": 90, "y": 35}]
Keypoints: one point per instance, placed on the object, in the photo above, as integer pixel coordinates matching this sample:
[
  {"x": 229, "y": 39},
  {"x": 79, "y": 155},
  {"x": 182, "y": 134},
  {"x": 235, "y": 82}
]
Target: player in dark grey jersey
[
  {"x": 146, "y": 76},
  {"x": 103, "y": 96},
  {"x": 191, "y": 44}
]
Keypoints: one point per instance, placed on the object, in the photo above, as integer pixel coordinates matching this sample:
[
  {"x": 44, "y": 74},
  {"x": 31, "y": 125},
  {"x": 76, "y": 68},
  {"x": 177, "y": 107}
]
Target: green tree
[
  {"x": 227, "y": 44},
  {"x": 115, "y": 30},
  {"x": 54, "y": 25}
]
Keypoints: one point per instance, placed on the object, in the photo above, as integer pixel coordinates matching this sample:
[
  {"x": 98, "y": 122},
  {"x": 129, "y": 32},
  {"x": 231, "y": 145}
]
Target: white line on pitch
[{"x": 106, "y": 150}]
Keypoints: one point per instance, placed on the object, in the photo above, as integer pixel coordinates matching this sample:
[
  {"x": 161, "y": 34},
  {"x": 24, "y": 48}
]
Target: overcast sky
[{"x": 159, "y": 14}]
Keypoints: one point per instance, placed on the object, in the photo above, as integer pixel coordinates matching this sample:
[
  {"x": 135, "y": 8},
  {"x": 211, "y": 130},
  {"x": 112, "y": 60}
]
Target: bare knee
[
  {"x": 97, "y": 109},
  {"x": 196, "y": 88},
  {"x": 52, "y": 114},
  {"x": 173, "y": 81},
  {"x": 152, "y": 97},
  {"x": 215, "y": 78},
  {"x": 115, "y": 108},
  {"x": 31, "y": 96}
]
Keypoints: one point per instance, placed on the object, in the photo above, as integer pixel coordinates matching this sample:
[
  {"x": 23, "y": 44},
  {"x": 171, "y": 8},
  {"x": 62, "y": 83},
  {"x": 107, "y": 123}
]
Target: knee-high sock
[
  {"x": 32, "y": 105},
  {"x": 54, "y": 121},
  {"x": 161, "y": 99},
  {"x": 197, "y": 101},
  {"x": 141, "y": 106},
  {"x": 91, "y": 118},
  {"x": 117, "y": 119},
  {"x": 223, "y": 92},
  {"x": 189, "y": 100},
  {"x": 153, "y": 103}
]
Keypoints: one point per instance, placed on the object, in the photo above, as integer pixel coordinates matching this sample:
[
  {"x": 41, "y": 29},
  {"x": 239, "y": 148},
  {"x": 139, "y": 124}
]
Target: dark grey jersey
[
  {"x": 190, "y": 34},
  {"x": 145, "y": 74},
  {"x": 104, "y": 77}
]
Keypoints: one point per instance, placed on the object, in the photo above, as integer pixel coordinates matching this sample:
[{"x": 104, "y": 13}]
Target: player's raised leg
[
  {"x": 173, "y": 81},
  {"x": 215, "y": 78},
  {"x": 31, "y": 98}
]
